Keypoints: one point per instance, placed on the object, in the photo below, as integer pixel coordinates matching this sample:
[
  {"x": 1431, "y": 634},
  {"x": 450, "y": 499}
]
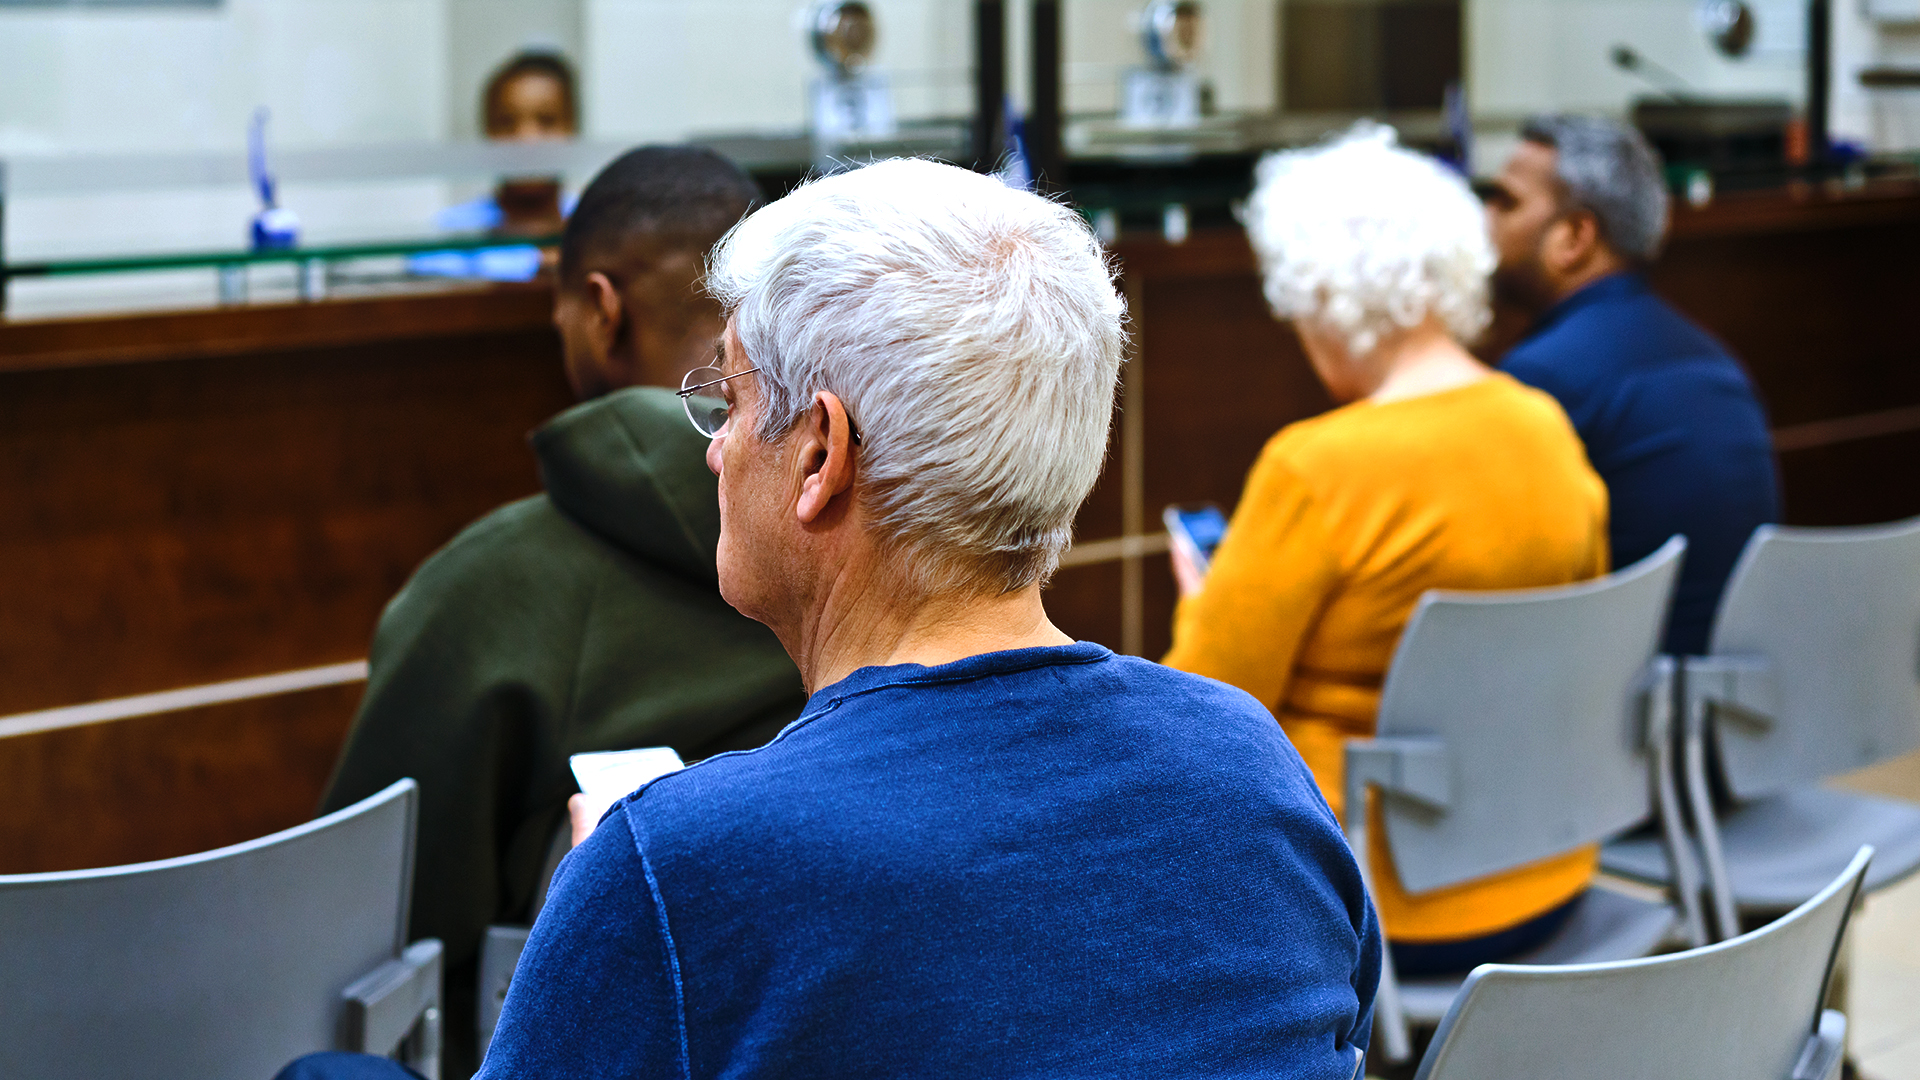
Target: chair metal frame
[
  {"x": 1819, "y": 1056},
  {"x": 1418, "y": 770},
  {"x": 1731, "y": 687}
]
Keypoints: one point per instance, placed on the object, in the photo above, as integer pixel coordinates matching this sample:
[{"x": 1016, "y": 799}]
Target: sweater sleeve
[
  {"x": 1270, "y": 577},
  {"x": 597, "y": 991}
]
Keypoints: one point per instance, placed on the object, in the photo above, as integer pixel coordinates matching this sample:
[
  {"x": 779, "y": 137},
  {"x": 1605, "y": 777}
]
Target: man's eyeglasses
[
  {"x": 709, "y": 410},
  {"x": 706, "y": 406}
]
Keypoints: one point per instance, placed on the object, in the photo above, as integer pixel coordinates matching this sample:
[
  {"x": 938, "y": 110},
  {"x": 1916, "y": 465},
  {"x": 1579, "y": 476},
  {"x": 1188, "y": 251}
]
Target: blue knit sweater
[
  {"x": 1671, "y": 423},
  {"x": 1049, "y": 862}
]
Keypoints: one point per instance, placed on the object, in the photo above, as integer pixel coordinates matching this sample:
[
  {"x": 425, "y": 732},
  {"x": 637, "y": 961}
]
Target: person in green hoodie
[{"x": 585, "y": 618}]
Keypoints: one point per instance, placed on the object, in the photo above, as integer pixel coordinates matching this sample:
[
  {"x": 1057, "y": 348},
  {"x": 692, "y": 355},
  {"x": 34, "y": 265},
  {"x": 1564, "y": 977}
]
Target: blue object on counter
[
  {"x": 519, "y": 262},
  {"x": 478, "y": 215},
  {"x": 275, "y": 228},
  {"x": 515, "y": 262}
]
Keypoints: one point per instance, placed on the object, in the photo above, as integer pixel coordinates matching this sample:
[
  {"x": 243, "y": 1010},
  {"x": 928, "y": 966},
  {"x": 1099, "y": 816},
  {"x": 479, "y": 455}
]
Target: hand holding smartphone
[{"x": 1194, "y": 531}]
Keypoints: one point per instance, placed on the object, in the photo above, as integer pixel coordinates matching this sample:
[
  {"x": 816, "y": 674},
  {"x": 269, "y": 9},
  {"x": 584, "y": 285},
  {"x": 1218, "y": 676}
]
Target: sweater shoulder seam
[{"x": 665, "y": 929}]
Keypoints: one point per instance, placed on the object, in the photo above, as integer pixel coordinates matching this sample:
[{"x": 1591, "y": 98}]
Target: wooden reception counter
[
  {"x": 225, "y": 495},
  {"x": 208, "y": 496}
]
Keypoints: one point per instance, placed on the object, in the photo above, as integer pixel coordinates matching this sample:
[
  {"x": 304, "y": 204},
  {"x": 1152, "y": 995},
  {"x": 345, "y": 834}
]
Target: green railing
[{"x": 240, "y": 258}]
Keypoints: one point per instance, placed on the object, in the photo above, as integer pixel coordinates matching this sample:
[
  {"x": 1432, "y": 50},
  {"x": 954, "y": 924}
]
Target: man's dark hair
[
  {"x": 1608, "y": 169},
  {"x": 548, "y": 65},
  {"x": 686, "y": 196}
]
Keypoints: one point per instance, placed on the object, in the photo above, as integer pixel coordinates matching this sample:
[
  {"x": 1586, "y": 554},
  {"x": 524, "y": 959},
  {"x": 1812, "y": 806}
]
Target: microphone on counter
[{"x": 1627, "y": 59}]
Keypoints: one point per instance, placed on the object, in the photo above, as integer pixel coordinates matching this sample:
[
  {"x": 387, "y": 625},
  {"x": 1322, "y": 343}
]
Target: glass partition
[
  {"x": 169, "y": 155},
  {"x": 386, "y": 127}
]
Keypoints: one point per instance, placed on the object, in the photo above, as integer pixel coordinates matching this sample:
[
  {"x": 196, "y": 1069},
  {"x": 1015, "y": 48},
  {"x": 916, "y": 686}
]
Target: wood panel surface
[
  {"x": 172, "y": 784},
  {"x": 194, "y": 498}
]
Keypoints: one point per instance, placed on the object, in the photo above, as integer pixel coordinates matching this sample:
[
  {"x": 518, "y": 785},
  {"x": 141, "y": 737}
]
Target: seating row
[
  {"x": 1513, "y": 726},
  {"x": 1517, "y": 726}
]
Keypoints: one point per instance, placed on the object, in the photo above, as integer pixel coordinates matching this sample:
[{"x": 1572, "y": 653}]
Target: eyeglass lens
[{"x": 708, "y": 407}]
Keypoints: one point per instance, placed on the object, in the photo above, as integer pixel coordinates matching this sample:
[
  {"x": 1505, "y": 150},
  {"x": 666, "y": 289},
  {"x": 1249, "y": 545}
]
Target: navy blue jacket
[
  {"x": 1047, "y": 862},
  {"x": 1671, "y": 423}
]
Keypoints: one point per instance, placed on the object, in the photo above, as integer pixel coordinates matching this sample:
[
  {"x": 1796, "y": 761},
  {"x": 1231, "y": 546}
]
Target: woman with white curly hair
[{"x": 1435, "y": 472}]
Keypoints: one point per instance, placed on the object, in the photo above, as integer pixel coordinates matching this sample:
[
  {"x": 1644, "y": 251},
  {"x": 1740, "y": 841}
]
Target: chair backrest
[
  {"x": 1835, "y": 616},
  {"x": 1536, "y": 697},
  {"x": 224, "y": 964},
  {"x": 1740, "y": 1010}
]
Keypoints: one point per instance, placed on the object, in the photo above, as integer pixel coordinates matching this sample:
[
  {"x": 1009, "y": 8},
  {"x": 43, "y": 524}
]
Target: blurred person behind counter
[
  {"x": 1670, "y": 419},
  {"x": 532, "y": 97},
  {"x": 587, "y": 618},
  {"x": 1436, "y": 473}
]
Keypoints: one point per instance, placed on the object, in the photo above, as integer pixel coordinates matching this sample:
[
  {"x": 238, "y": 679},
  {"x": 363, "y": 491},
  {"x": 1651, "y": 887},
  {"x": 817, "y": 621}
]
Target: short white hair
[
  {"x": 973, "y": 332},
  {"x": 1366, "y": 239}
]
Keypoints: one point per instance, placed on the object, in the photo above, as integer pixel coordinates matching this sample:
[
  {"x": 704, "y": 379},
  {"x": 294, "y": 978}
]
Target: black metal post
[
  {"x": 989, "y": 83},
  {"x": 1819, "y": 81},
  {"x": 1044, "y": 147},
  {"x": 3, "y": 237}
]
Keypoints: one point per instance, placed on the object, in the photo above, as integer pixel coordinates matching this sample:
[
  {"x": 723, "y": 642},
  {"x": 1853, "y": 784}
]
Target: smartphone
[{"x": 1197, "y": 529}]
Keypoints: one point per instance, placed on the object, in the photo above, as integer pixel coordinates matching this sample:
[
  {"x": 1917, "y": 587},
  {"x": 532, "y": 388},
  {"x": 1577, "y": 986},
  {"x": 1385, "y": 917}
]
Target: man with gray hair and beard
[
  {"x": 1669, "y": 418},
  {"x": 983, "y": 849}
]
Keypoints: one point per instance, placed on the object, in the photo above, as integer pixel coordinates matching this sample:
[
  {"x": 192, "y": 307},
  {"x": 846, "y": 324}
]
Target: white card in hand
[{"x": 608, "y": 777}]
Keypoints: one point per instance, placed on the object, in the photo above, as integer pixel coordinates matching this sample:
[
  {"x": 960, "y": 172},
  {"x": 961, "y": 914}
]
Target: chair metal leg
[
  {"x": 1821, "y": 1057},
  {"x": 1661, "y": 699},
  {"x": 1705, "y": 826},
  {"x": 1389, "y": 1017}
]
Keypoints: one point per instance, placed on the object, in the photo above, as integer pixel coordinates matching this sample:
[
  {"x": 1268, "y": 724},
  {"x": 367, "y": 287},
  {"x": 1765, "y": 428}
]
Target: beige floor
[{"x": 1884, "y": 1021}]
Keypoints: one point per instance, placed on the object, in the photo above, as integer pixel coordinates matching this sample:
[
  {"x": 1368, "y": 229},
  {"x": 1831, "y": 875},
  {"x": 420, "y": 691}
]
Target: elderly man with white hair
[
  {"x": 1435, "y": 473},
  {"x": 983, "y": 849}
]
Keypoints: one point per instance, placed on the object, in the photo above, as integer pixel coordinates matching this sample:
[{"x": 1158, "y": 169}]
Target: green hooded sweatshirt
[{"x": 587, "y": 618}]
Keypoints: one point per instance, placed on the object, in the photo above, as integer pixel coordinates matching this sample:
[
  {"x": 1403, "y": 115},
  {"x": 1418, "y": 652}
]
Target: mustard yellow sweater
[{"x": 1346, "y": 519}]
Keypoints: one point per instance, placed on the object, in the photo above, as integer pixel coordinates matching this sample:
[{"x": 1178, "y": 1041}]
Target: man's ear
[
  {"x": 825, "y": 447},
  {"x": 1573, "y": 241},
  {"x": 607, "y": 312}
]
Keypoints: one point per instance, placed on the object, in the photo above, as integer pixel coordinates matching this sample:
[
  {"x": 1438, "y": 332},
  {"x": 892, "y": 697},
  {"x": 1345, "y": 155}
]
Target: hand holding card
[{"x": 606, "y": 778}]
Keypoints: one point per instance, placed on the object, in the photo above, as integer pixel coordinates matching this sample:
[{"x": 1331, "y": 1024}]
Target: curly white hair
[{"x": 1366, "y": 238}]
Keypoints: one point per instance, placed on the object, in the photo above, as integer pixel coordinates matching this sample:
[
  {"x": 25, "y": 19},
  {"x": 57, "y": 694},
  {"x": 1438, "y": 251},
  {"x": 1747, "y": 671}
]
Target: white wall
[
  {"x": 662, "y": 69},
  {"x": 337, "y": 72},
  {"x": 665, "y": 68},
  {"x": 98, "y": 80},
  {"x": 168, "y": 80},
  {"x": 1238, "y": 55},
  {"x": 482, "y": 34},
  {"x": 1526, "y": 56},
  {"x": 345, "y": 71}
]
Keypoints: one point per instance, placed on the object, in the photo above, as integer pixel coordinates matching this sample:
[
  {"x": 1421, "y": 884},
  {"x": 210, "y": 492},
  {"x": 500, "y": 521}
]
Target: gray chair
[
  {"x": 226, "y": 964},
  {"x": 1746, "y": 1009},
  {"x": 1814, "y": 671},
  {"x": 1515, "y": 726},
  {"x": 500, "y": 950}
]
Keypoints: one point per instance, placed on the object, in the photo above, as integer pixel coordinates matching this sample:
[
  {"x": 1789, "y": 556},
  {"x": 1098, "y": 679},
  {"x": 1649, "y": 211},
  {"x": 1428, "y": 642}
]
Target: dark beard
[{"x": 1524, "y": 287}]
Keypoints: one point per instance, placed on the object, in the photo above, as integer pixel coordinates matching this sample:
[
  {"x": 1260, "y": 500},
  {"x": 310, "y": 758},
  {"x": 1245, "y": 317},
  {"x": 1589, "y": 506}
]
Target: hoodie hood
[{"x": 631, "y": 468}]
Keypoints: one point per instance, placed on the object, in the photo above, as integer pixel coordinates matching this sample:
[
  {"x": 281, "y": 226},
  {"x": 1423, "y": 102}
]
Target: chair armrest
[
  {"x": 1740, "y": 687},
  {"x": 499, "y": 955},
  {"x": 387, "y": 1004},
  {"x": 1409, "y": 767}
]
